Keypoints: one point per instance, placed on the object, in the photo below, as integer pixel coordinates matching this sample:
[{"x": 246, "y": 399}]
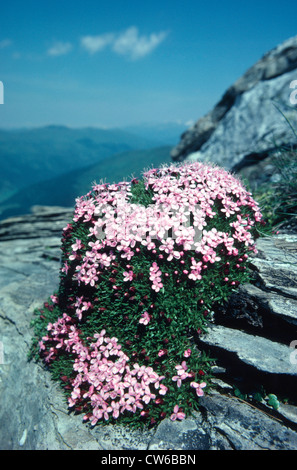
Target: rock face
[
  {"x": 250, "y": 338},
  {"x": 246, "y": 125}
]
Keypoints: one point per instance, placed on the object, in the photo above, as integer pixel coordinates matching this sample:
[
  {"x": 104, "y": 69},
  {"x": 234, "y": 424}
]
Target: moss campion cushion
[{"x": 143, "y": 262}]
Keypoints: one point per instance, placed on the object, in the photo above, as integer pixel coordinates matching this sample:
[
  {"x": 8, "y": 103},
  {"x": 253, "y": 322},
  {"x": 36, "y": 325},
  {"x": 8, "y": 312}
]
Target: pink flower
[
  {"x": 115, "y": 409},
  {"x": 148, "y": 396},
  {"x": 177, "y": 414},
  {"x": 162, "y": 352},
  {"x": 163, "y": 389},
  {"x": 183, "y": 367},
  {"x": 187, "y": 353},
  {"x": 155, "y": 276},
  {"x": 77, "y": 245},
  {"x": 128, "y": 275},
  {"x": 55, "y": 299},
  {"x": 41, "y": 346},
  {"x": 65, "y": 268},
  {"x": 145, "y": 318},
  {"x": 181, "y": 374},
  {"x": 198, "y": 388}
]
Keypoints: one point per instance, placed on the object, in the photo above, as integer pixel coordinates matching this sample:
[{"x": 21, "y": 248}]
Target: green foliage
[
  {"x": 258, "y": 396},
  {"x": 278, "y": 200},
  {"x": 273, "y": 401}
]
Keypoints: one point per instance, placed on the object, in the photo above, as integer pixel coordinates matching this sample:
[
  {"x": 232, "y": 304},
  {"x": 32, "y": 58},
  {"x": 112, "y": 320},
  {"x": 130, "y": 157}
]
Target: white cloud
[
  {"x": 60, "y": 48},
  {"x": 96, "y": 43},
  {"x": 128, "y": 43}
]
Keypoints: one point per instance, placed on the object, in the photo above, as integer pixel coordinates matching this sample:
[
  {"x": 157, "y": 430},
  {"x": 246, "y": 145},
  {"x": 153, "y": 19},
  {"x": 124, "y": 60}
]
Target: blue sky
[{"x": 117, "y": 63}]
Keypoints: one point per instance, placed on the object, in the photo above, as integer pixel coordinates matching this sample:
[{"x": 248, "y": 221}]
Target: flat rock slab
[
  {"x": 261, "y": 353},
  {"x": 276, "y": 263},
  {"x": 42, "y": 222},
  {"x": 280, "y": 306}
]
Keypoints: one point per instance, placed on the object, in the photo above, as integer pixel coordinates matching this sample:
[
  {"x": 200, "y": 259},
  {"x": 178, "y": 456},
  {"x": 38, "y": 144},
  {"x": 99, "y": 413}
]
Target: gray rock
[
  {"x": 253, "y": 126},
  {"x": 188, "y": 434},
  {"x": 274, "y": 294},
  {"x": 237, "y": 425},
  {"x": 289, "y": 412},
  {"x": 279, "y": 306},
  {"x": 245, "y": 125},
  {"x": 42, "y": 222},
  {"x": 277, "y": 264},
  {"x": 225, "y": 423}
]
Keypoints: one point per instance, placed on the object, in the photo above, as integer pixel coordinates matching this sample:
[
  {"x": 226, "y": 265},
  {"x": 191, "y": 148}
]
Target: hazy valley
[{"x": 53, "y": 165}]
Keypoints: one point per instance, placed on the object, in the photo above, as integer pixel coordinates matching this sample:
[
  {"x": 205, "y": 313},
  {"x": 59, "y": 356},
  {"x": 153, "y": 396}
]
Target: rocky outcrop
[
  {"x": 247, "y": 123},
  {"x": 254, "y": 332},
  {"x": 250, "y": 338}
]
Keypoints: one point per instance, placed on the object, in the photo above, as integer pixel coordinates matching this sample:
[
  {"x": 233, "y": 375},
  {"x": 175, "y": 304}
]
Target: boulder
[
  {"x": 34, "y": 413},
  {"x": 251, "y": 118}
]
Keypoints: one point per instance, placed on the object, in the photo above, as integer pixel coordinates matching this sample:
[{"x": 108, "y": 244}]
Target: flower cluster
[
  {"x": 174, "y": 223},
  {"x": 102, "y": 379},
  {"x": 106, "y": 380},
  {"x": 103, "y": 374},
  {"x": 142, "y": 264},
  {"x": 61, "y": 335}
]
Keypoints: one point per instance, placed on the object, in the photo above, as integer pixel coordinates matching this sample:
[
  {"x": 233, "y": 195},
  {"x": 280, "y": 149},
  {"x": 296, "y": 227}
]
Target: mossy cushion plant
[{"x": 142, "y": 264}]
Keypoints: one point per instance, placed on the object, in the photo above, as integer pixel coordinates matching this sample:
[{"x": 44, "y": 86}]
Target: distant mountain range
[
  {"x": 33, "y": 155},
  {"x": 53, "y": 165},
  {"x": 167, "y": 133}
]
